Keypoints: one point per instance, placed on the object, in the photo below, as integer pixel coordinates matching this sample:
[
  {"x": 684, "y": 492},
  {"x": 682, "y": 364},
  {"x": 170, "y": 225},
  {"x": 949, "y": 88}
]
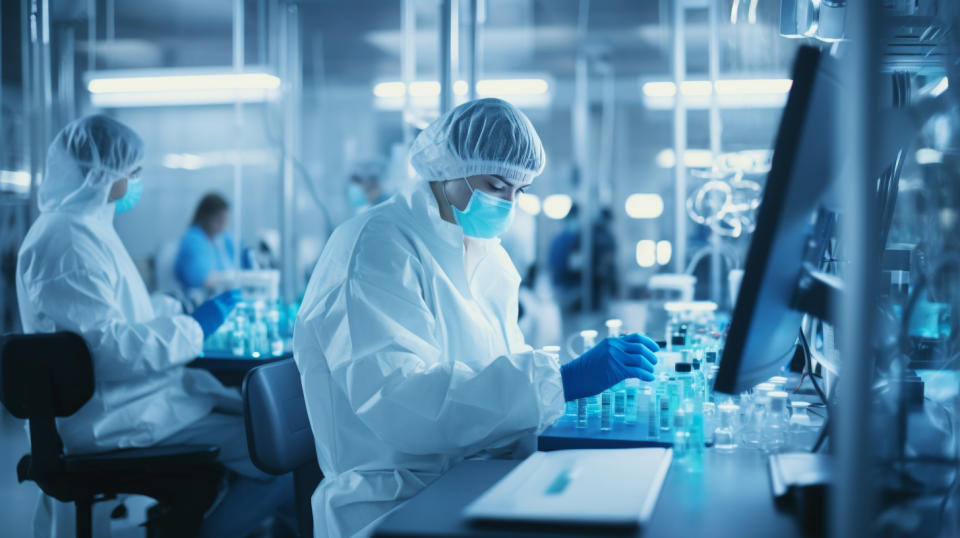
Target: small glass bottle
[
  {"x": 239, "y": 343},
  {"x": 273, "y": 333},
  {"x": 695, "y": 435},
  {"x": 725, "y": 436},
  {"x": 777, "y": 422},
  {"x": 680, "y": 437},
  {"x": 709, "y": 422}
]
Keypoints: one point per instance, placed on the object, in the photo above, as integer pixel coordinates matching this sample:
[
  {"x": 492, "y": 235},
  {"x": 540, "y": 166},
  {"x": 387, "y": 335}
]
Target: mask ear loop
[{"x": 444, "y": 189}]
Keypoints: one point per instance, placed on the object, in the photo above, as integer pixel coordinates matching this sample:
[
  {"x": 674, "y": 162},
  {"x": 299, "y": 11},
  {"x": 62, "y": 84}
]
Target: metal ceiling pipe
[
  {"x": 449, "y": 22},
  {"x": 716, "y": 286},
  {"x": 679, "y": 138}
]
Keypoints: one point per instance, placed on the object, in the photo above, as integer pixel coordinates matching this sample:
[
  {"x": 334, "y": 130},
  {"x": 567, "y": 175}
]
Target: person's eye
[{"x": 522, "y": 190}]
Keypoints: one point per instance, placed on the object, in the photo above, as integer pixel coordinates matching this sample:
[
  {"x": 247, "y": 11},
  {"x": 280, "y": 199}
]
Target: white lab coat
[{"x": 411, "y": 360}]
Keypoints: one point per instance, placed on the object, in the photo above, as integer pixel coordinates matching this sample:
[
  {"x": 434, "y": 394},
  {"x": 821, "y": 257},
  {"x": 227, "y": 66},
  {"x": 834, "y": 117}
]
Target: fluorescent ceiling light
[
  {"x": 664, "y": 252},
  {"x": 530, "y": 92},
  {"x": 692, "y": 158},
  {"x": 644, "y": 206},
  {"x": 14, "y": 180},
  {"x": 929, "y": 156},
  {"x": 557, "y": 206},
  {"x": 529, "y": 203},
  {"x": 940, "y": 87},
  {"x": 165, "y": 87},
  {"x": 646, "y": 253},
  {"x": 731, "y": 93},
  {"x": 488, "y": 87},
  {"x": 211, "y": 159}
]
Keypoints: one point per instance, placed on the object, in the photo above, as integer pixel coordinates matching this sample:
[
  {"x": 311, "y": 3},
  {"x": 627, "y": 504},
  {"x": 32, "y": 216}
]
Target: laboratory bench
[
  {"x": 731, "y": 497},
  {"x": 230, "y": 369}
]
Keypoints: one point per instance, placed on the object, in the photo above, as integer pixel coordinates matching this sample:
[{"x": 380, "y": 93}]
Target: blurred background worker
[
  {"x": 367, "y": 185},
  {"x": 75, "y": 275},
  {"x": 567, "y": 261},
  {"x": 206, "y": 249}
]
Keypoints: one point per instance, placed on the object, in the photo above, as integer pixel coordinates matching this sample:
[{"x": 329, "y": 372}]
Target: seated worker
[
  {"x": 206, "y": 249},
  {"x": 74, "y": 274},
  {"x": 407, "y": 341}
]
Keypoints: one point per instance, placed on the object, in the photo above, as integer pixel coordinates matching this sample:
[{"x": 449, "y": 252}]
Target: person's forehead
[{"x": 516, "y": 184}]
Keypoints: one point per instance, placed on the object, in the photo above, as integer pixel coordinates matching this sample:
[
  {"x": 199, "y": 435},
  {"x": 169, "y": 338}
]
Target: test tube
[
  {"x": 653, "y": 428},
  {"x": 631, "y": 404},
  {"x": 613, "y": 327},
  {"x": 582, "y": 405},
  {"x": 725, "y": 436},
  {"x": 606, "y": 410}
]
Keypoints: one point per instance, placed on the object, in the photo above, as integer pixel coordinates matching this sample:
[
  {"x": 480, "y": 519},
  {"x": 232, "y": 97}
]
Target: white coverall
[{"x": 411, "y": 360}]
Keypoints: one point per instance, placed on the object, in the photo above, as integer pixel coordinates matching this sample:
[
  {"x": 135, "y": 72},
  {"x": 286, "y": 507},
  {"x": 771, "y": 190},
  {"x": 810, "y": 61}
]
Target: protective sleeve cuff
[
  {"x": 192, "y": 333},
  {"x": 549, "y": 386}
]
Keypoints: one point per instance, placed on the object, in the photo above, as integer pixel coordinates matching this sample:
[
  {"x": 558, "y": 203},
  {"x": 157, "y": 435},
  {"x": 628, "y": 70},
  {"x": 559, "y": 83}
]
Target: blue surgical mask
[
  {"x": 130, "y": 199},
  {"x": 485, "y": 216},
  {"x": 356, "y": 196}
]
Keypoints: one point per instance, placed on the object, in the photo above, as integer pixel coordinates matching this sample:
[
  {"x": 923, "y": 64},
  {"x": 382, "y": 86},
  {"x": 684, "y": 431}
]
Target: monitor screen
[{"x": 764, "y": 327}]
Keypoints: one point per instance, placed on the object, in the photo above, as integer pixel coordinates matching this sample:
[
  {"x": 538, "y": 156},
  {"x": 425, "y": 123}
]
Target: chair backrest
[
  {"x": 279, "y": 437},
  {"x": 45, "y": 375}
]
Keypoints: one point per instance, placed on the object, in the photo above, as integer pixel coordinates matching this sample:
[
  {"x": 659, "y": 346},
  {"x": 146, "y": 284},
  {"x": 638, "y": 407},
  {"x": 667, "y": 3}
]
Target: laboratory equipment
[
  {"x": 632, "y": 401},
  {"x": 764, "y": 325},
  {"x": 681, "y": 437},
  {"x": 781, "y": 280},
  {"x": 693, "y": 411},
  {"x": 606, "y": 410},
  {"x": 709, "y": 422},
  {"x": 584, "y": 405},
  {"x": 619, "y": 390},
  {"x": 725, "y": 435},
  {"x": 777, "y": 422},
  {"x": 803, "y": 429},
  {"x": 653, "y": 427}
]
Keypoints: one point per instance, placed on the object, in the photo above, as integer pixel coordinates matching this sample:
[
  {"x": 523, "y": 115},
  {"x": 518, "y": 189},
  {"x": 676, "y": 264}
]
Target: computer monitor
[
  {"x": 765, "y": 323},
  {"x": 781, "y": 281}
]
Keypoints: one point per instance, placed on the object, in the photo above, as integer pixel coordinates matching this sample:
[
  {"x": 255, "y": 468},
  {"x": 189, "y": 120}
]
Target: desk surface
[{"x": 730, "y": 498}]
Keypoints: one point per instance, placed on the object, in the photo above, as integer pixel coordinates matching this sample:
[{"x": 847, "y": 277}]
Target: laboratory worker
[
  {"x": 74, "y": 274},
  {"x": 407, "y": 340},
  {"x": 206, "y": 249}
]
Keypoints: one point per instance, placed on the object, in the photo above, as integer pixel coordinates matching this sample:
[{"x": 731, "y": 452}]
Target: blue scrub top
[{"x": 199, "y": 255}]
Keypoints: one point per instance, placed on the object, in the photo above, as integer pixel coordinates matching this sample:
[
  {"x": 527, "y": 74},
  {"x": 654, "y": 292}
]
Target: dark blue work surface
[
  {"x": 565, "y": 435},
  {"x": 731, "y": 498}
]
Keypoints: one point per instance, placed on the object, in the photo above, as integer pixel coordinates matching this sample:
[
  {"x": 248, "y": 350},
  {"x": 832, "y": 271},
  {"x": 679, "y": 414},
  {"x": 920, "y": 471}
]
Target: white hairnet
[
  {"x": 85, "y": 159},
  {"x": 369, "y": 170},
  {"x": 486, "y": 136}
]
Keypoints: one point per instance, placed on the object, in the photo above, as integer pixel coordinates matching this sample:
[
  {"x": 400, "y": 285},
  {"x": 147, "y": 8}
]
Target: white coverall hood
[{"x": 85, "y": 159}]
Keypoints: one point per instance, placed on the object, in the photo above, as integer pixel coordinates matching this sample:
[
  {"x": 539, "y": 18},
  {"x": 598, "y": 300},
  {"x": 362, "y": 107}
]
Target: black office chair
[
  {"x": 45, "y": 376},
  {"x": 279, "y": 437}
]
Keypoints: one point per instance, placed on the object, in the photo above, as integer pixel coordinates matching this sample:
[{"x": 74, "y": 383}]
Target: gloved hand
[
  {"x": 608, "y": 363},
  {"x": 211, "y": 314}
]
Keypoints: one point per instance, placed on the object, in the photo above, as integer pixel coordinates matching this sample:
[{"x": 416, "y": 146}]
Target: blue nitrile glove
[
  {"x": 211, "y": 314},
  {"x": 608, "y": 363}
]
